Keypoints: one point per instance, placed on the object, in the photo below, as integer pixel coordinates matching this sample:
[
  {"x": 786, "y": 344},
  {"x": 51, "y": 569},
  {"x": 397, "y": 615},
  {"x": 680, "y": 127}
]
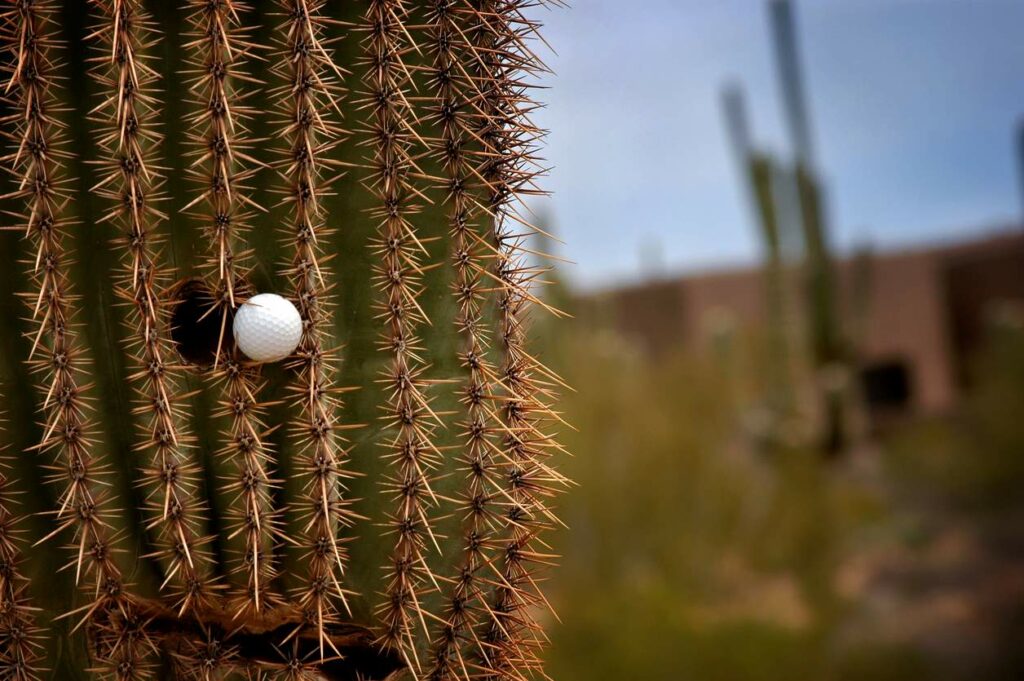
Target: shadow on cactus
[{"x": 371, "y": 506}]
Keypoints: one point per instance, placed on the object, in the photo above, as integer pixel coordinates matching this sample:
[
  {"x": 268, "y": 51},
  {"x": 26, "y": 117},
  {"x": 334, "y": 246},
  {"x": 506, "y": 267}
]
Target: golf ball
[{"x": 267, "y": 327}]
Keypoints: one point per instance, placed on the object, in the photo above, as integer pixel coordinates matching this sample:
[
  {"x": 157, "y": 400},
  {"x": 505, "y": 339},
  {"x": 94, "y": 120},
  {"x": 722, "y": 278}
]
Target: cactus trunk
[{"x": 215, "y": 517}]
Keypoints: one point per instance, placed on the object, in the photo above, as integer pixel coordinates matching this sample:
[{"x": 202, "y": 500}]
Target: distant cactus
[
  {"x": 824, "y": 332},
  {"x": 225, "y": 519}
]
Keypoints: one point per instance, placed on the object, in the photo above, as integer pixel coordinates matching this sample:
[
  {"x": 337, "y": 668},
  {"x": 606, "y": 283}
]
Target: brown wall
[{"x": 907, "y": 321}]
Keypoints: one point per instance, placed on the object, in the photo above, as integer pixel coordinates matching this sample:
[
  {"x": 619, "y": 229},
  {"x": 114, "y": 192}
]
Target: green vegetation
[{"x": 697, "y": 552}]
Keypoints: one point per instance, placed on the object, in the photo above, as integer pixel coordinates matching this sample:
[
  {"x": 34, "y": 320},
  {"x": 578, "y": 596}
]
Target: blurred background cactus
[{"x": 373, "y": 506}]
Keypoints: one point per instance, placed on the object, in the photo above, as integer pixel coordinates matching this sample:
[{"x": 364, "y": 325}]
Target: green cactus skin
[{"x": 441, "y": 88}]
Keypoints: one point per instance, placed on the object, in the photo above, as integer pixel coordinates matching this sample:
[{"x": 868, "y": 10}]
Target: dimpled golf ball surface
[{"x": 267, "y": 328}]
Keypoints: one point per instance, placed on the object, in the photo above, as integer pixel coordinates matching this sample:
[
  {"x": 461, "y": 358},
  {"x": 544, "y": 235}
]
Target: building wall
[
  {"x": 907, "y": 322},
  {"x": 921, "y": 309}
]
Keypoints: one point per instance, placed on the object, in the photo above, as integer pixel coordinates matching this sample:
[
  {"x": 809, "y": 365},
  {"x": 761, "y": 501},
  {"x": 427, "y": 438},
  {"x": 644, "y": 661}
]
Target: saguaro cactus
[
  {"x": 187, "y": 512},
  {"x": 828, "y": 346}
]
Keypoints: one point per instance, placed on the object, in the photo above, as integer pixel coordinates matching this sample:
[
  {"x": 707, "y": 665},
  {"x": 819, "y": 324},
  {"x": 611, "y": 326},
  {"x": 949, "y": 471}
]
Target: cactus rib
[
  {"x": 457, "y": 100},
  {"x": 505, "y": 62},
  {"x": 218, "y": 50},
  {"x": 308, "y": 104},
  {"x": 412, "y": 453},
  {"x": 131, "y": 182}
]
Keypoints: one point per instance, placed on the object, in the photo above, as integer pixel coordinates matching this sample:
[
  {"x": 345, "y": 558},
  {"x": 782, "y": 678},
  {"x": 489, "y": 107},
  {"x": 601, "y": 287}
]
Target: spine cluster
[
  {"x": 411, "y": 451},
  {"x": 308, "y": 105},
  {"x": 218, "y": 50},
  {"x": 20, "y": 636}
]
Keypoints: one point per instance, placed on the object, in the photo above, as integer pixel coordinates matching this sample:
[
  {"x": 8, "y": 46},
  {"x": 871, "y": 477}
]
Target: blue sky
[{"x": 913, "y": 104}]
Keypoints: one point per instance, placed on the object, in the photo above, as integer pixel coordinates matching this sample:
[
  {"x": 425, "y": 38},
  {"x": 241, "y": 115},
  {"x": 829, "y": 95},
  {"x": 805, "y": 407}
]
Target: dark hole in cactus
[{"x": 195, "y": 324}]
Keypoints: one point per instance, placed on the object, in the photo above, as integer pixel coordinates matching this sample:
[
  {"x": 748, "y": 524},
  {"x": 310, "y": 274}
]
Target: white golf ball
[{"x": 267, "y": 328}]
